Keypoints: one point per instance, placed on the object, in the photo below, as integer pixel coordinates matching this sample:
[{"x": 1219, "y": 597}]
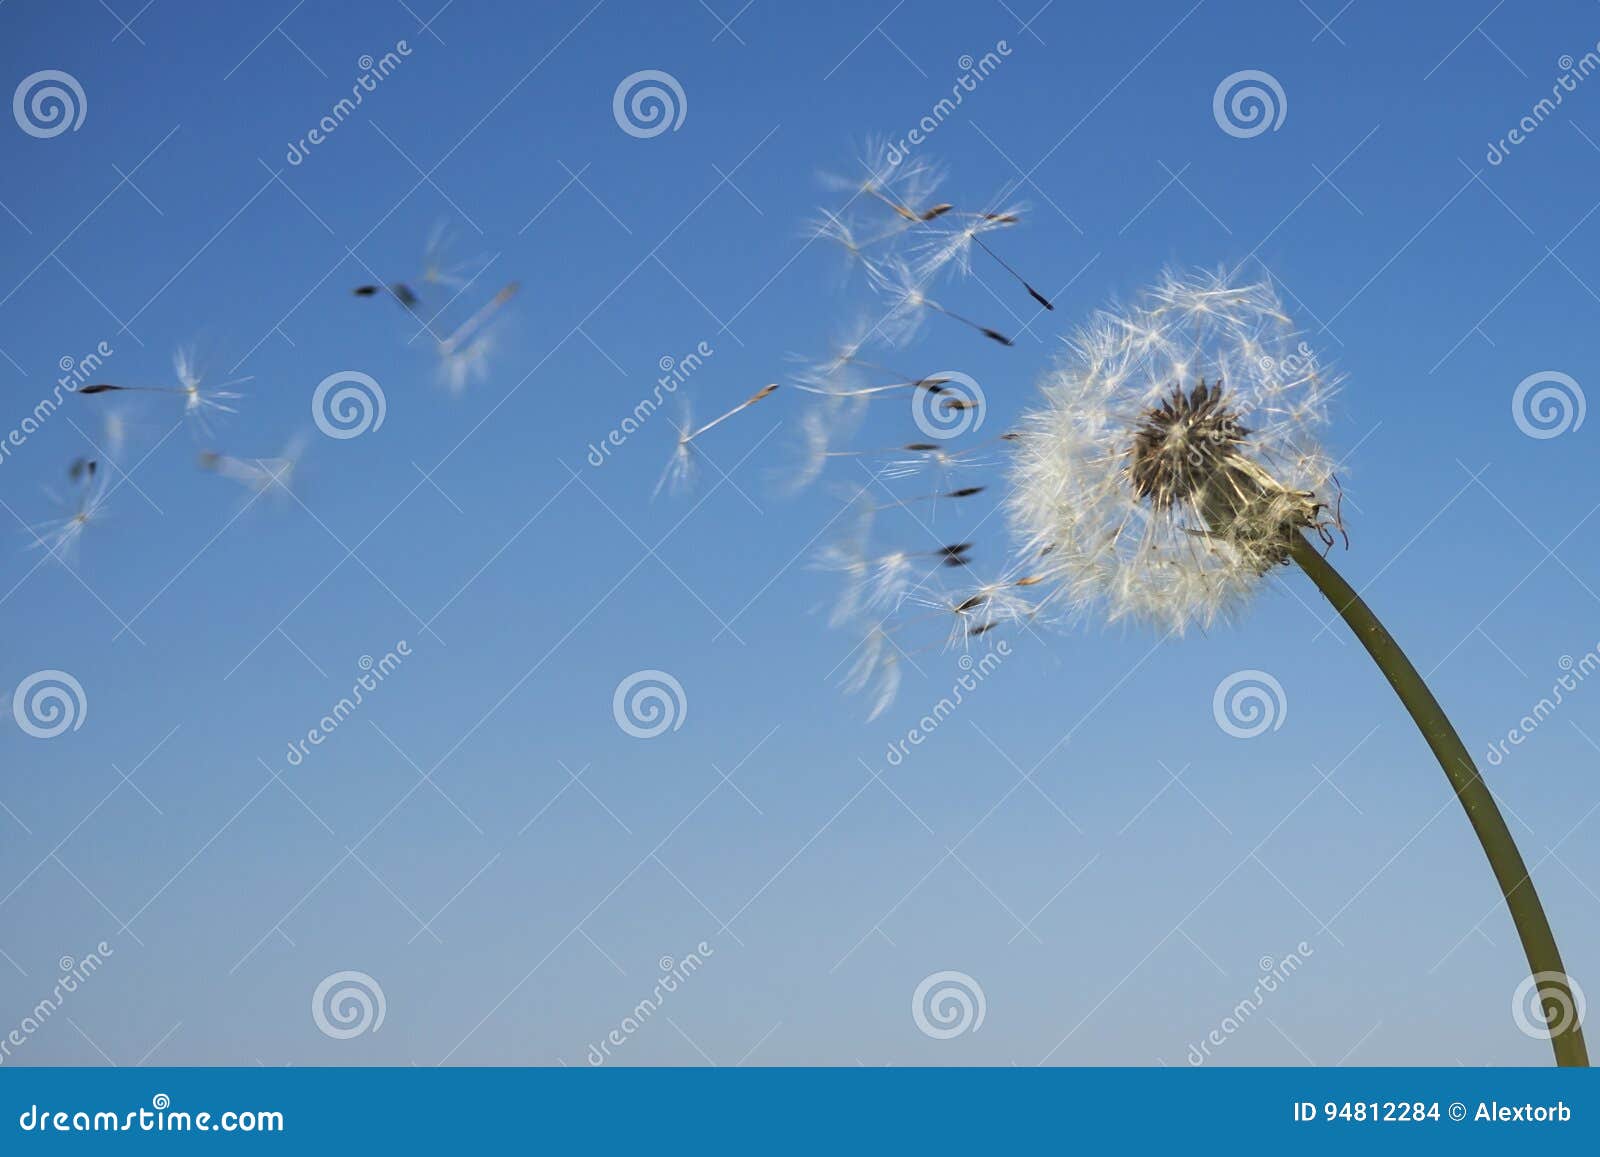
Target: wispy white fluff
[{"x": 1100, "y": 543}]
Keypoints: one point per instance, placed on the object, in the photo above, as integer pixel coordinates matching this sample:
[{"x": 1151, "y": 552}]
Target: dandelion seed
[
  {"x": 976, "y": 610},
  {"x": 460, "y": 368},
  {"x": 478, "y": 320},
  {"x": 200, "y": 401},
  {"x": 836, "y": 230},
  {"x": 876, "y": 670},
  {"x": 681, "y": 466},
  {"x": 904, "y": 290},
  {"x": 258, "y": 475},
  {"x": 464, "y": 355},
  {"x": 437, "y": 266},
  {"x": 115, "y": 432},
  {"x": 953, "y": 249},
  {"x": 961, "y": 492},
  {"x": 934, "y": 458},
  {"x": 84, "y": 506},
  {"x": 898, "y": 182},
  {"x": 398, "y": 290}
]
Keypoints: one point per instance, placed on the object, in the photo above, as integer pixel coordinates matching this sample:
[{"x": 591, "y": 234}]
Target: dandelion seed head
[{"x": 1174, "y": 450}]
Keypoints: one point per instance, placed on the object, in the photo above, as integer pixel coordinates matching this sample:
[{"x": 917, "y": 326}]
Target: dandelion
[
  {"x": 1173, "y": 464},
  {"x": 1163, "y": 495},
  {"x": 681, "y": 466}
]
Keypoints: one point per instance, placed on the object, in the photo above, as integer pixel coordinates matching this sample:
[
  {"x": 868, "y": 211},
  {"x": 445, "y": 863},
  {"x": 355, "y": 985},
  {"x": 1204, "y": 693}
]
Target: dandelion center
[{"x": 1183, "y": 444}]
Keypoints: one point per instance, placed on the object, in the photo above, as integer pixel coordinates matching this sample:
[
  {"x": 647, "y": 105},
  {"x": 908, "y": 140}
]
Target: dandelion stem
[{"x": 1538, "y": 942}]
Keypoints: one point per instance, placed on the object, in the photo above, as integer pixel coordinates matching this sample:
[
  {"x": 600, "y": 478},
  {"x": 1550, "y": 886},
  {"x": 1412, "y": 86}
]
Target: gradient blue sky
[{"x": 1435, "y": 281}]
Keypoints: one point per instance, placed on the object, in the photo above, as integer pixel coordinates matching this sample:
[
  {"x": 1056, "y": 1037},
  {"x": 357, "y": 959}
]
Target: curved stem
[{"x": 1538, "y": 942}]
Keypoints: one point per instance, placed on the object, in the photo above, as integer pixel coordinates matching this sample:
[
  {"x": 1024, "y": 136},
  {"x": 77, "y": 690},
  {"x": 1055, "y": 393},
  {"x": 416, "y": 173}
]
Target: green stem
[{"x": 1538, "y": 942}]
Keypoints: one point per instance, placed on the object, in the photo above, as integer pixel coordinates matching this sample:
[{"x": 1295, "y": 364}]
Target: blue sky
[{"x": 1038, "y": 843}]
